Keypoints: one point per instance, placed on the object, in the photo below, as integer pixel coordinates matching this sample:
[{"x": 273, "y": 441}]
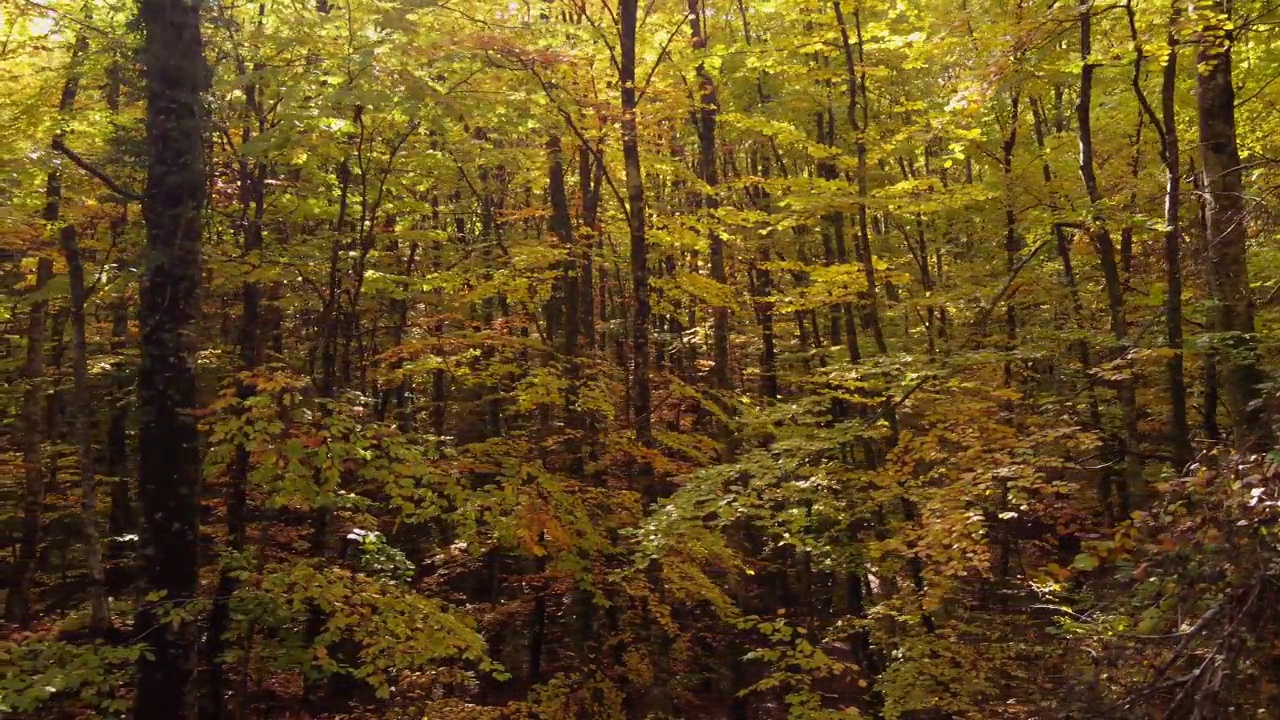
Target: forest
[{"x": 621, "y": 360}]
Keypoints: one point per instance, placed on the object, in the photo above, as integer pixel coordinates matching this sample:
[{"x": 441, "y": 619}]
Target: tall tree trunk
[
  {"x": 1063, "y": 246},
  {"x": 120, "y": 519},
  {"x": 1012, "y": 243},
  {"x": 169, "y": 463},
  {"x": 1100, "y": 235},
  {"x": 658, "y": 697},
  {"x": 640, "y": 392},
  {"x": 590, "y": 180},
  {"x": 856, "y": 80},
  {"x": 1166, "y": 125},
  {"x": 705, "y": 121},
  {"x": 252, "y": 177},
  {"x": 1226, "y": 217},
  {"x": 1179, "y": 429},
  {"x": 31, "y": 426},
  {"x": 82, "y": 412},
  {"x": 871, "y": 298},
  {"x": 330, "y": 327},
  {"x": 835, "y": 249},
  {"x": 82, "y": 418},
  {"x": 18, "y": 601}
]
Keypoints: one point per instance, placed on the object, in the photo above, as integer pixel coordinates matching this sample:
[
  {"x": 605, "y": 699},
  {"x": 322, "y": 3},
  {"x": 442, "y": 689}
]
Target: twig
[{"x": 661, "y": 54}]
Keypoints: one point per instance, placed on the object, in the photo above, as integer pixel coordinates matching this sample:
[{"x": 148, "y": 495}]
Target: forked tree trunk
[{"x": 1105, "y": 248}]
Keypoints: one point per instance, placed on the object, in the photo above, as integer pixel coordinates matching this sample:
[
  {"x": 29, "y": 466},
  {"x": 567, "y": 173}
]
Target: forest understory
[{"x": 607, "y": 360}]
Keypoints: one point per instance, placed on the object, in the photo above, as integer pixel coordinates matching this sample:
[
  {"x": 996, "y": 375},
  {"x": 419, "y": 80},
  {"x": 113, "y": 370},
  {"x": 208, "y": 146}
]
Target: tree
[
  {"x": 1226, "y": 225},
  {"x": 169, "y": 443}
]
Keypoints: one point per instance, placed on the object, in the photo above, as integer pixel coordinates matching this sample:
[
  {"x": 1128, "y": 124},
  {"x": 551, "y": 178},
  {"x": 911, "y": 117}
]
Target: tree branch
[{"x": 104, "y": 178}]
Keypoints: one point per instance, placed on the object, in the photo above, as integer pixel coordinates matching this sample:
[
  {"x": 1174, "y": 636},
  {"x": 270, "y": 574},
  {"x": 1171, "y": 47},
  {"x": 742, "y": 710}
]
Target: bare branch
[{"x": 104, "y": 178}]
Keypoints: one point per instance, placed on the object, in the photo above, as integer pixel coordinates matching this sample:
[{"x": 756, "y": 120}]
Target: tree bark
[
  {"x": 856, "y": 78},
  {"x": 1012, "y": 243},
  {"x": 657, "y": 698},
  {"x": 120, "y": 520},
  {"x": 639, "y": 247},
  {"x": 1063, "y": 245}
]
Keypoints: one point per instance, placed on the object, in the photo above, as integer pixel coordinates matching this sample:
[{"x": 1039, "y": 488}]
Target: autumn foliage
[{"x": 581, "y": 360}]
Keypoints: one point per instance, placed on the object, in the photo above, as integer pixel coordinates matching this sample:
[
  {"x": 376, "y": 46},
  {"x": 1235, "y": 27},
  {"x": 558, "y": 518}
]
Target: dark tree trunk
[
  {"x": 856, "y": 79},
  {"x": 18, "y": 601},
  {"x": 81, "y": 411},
  {"x": 252, "y": 177},
  {"x": 640, "y": 392},
  {"x": 1063, "y": 246},
  {"x": 99, "y": 614},
  {"x": 1179, "y": 429},
  {"x": 32, "y": 425},
  {"x": 1166, "y": 125},
  {"x": 1012, "y": 242},
  {"x": 590, "y": 179},
  {"x": 169, "y": 463},
  {"x": 120, "y": 520},
  {"x": 705, "y": 121},
  {"x": 1225, "y": 223},
  {"x": 1105, "y": 248},
  {"x": 657, "y": 697}
]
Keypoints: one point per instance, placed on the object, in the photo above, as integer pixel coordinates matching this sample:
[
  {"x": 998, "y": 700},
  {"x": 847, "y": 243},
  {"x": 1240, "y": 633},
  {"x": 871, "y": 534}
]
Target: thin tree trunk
[
  {"x": 99, "y": 613},
  {"x": 31, "y": 425},
  {"x": 1105, "y": 248},
  {"x": 18, "y": 601},
  {"x": 1012, "y": 243},
  {"x": 252, "y": 210},
  {"x": 68, "y": 241},
  {"x": 1166, "y": 126},
  {"x": 120, "y": 519},
  {"x": 658, "y": 696},
  {"x": 590, "y": 179},
  {"x": 640, "y": 392},
  {"x": 705, "y": 121},
  {"x": 1063, "y": 245},
  {"x": 871, "y": 298},
  {"x": 856, "y": 80},
  {"x": 1179, "y": 429}
]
